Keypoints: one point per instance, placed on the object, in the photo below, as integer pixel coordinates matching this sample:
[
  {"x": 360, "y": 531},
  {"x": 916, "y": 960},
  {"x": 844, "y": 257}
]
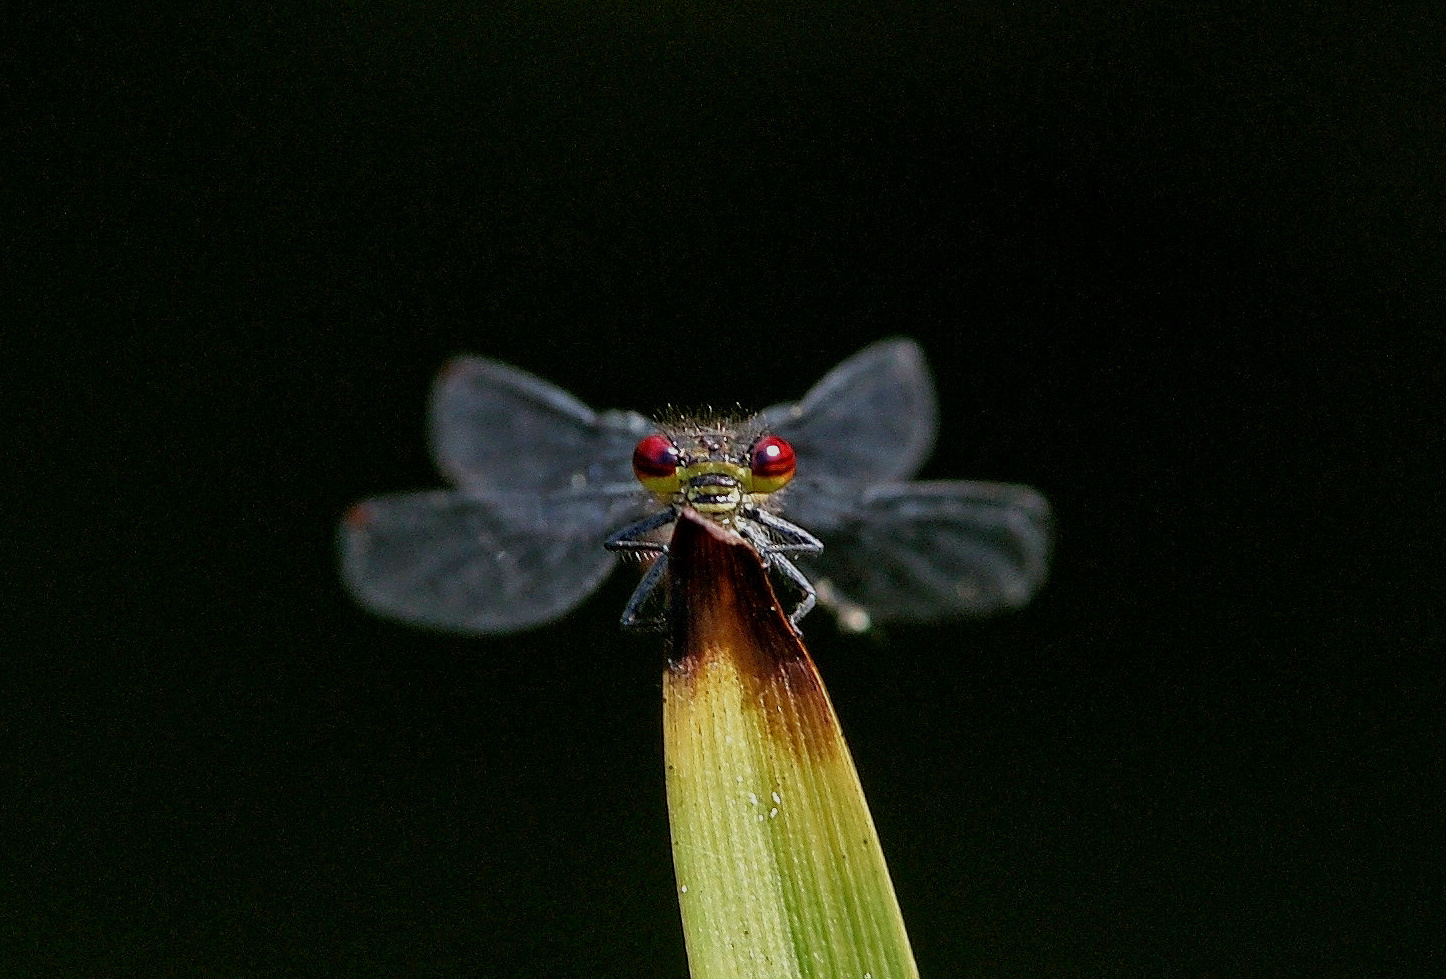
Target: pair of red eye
[{"x": 770, "y": 459}]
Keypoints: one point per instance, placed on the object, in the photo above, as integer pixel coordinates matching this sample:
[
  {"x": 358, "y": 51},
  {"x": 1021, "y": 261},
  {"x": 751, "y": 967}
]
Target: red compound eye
[
  {"x": 655, "y": 458},
  {"x": 772, "y": 462}
]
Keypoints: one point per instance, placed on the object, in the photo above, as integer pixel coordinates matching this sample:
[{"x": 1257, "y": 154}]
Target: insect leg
[
  {"x": 805, "y": 604},
  {"x": 630, "y": 538},
  {"x": 642, "y": 593},
  {"x": 794, "y": 539},
  {"x": 773, "y": 556}
]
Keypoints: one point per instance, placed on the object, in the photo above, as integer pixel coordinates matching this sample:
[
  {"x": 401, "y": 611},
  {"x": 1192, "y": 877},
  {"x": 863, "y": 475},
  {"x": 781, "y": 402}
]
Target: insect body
[
  {"x": 709, "y": 469},
  {"x": 542, "y": 484}
]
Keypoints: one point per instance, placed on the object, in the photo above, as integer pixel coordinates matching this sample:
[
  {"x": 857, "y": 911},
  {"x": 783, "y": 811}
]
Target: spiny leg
[
  {"x": 630, "y": 538},
  {"x": 773, "y": 556},
  {"x": 810, "y": 597},
  {"x": 795, "y": 540},
  {"x": 642, "y": 593}
]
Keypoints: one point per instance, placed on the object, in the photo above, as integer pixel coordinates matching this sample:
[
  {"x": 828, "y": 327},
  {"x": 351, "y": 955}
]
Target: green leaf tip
[{"x": 780, "y": 871}]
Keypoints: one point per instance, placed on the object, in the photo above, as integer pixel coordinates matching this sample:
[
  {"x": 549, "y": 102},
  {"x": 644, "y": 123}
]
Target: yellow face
[{"x": 712, "y": 478}]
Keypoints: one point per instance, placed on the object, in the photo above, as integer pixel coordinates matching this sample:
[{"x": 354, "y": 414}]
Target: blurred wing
[
  {"x": 479, "y": 563},
  {"x": 494, "y": 427},
  {"x": 922, "y": 551},
  {"x": 872, "y": 419}
]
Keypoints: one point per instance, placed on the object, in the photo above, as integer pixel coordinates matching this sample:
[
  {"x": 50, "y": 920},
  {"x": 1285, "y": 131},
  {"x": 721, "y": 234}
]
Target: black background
[{"x": 1178, "y": 267}]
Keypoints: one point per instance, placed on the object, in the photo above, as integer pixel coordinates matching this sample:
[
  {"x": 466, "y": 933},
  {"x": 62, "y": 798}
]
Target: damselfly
[{"x": 546, "y": 487}]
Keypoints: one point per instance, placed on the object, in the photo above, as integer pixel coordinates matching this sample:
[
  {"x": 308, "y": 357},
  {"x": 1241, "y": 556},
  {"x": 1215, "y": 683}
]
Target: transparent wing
[
  {"x": 480, "y": 563},
  {"x": 872, "y": 419},
  {"x": 922, "y": 551},
  {"x": 494, "y": 427}
]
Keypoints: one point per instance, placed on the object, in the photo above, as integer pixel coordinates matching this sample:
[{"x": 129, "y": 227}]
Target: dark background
[{"x": 1178, "y": 267}]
